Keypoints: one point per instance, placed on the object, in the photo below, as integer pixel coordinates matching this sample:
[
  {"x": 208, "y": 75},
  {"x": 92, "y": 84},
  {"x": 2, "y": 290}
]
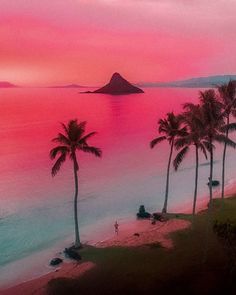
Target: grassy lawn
[{"x": 198, "y": 264}]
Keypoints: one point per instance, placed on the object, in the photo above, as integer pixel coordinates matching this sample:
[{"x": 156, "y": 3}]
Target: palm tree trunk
[
  {"x": 164, "y": 210},
  {"x": 211, "y": 172},
  {"x": 223, "y": 162},
  {"x": 209, "y": 211},
  {"x": 77, "y": 237},
  {"x": 196, "y": 181}
]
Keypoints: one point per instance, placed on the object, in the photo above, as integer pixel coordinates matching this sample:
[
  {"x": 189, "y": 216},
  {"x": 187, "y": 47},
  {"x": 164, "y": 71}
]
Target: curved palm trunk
[
  {"x": 164, "y": 210},
  {"x": 211, "y": 173},
  {"x": 223, "y": 162},
  {"x": 196, "y": 181},
  {"x": 77, "y": 237}
]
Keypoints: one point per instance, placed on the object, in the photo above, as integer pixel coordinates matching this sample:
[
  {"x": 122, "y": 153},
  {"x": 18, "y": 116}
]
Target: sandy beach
[{"x": 142, "y": 232}]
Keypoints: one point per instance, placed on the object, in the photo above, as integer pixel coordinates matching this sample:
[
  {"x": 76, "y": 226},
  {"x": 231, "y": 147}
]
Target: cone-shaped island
[{"x": 117, "y": 86}]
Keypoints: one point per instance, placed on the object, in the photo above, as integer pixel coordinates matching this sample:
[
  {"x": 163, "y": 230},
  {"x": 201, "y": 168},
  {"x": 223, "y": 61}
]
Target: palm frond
[
  {"x": 233, "y": 112},
  {"x": 86, "y": 137},
  {"x": 230, "y": 127},
  {"x": 82, "y": 125},
  {"x": 61, "y": 138},
  {"x": 180, "y": 156},
  {"x": 157, "y": 140},
  {"x": 180, "y": 142},
  {"x": 71, "y": 124},
  {"x": 163, "y": 126},
  {"x": 75, "y": 129},
  {"x": 211, "y": 108},
  {"x": 91, "y": 149},
  {"x": 64, "y": 127},
  {"x": 59, "y": 149},
  {"x": 170, "y": 125},
  {"x": 209, "y": 146},
  {"x": 56, "y": 167},
  {"x": 182, "y": 131},
  {"x": 203, "y": 149},
  {"x": 227, "y": 93},
  {"x": 189, "y": 106},
  {"x": 223, "y": 139}
]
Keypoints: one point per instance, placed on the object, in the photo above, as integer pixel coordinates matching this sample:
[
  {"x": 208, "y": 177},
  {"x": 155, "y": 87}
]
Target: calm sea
[{"x": 36, "y": 210}]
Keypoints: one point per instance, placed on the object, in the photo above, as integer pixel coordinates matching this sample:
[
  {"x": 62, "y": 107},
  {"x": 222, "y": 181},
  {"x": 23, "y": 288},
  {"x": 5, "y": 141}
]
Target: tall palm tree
[
  {"x": 214, "y": 125},
  {"x": 195, "y": 136},
  {"x": 73, "y": 139},
  {"x": 215, "y": 128},
  {"x": 170, "y": 127},
  {"x": 227, "y": 93}
]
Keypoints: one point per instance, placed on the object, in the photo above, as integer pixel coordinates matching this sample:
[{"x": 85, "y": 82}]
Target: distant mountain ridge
[
  {"x": 5, "y": 84},
  {"x": 118, "y": 85},
  {"x": 68, "y": 86},
  {"x": 210, "y": 81}
]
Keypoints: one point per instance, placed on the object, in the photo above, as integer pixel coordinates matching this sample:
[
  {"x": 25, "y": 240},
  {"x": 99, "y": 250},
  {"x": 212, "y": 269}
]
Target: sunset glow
[
  {"x": 85, "y": 41},
  {"x": 118, "y": 147}
]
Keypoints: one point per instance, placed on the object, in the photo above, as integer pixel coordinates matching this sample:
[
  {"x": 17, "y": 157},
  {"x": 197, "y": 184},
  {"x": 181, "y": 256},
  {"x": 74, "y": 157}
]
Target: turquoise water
[{"x": 36, "y": 210}]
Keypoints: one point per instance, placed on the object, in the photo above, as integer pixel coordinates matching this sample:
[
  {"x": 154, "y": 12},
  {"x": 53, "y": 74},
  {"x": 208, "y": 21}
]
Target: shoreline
[{"x": 148, "y": 234}]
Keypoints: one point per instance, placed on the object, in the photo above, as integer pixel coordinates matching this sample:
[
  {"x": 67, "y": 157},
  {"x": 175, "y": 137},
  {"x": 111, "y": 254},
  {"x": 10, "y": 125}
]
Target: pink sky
[{"x": 84, "y": 41}]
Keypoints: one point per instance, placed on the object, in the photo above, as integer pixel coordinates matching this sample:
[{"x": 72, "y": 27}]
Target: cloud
[{"x": 147, "y": 39}]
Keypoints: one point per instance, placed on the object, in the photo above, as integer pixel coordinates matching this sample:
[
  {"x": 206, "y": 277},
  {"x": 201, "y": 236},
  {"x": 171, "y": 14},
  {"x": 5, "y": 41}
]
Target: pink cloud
[{"x": 82, "y": 41}]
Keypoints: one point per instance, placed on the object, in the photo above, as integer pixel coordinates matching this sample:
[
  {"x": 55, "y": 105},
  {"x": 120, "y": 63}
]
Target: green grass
[{"x": 198, "y": 264}]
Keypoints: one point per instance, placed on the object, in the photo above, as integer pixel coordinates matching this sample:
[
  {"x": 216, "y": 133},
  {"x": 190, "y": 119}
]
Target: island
[
  {"x": 117, "y": 86},
  {"x": 5, "y": 84},
  {"x": 68, "y": 86}
]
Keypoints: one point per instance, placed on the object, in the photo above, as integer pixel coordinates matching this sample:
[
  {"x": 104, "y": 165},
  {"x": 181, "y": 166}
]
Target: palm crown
[
  {"x": 227, "y": 93},
  {"x": 171, "y": 127},
  {"x": 73, "y": 139},
  {"x": 214, "y": 118},
  {"x": 193, "y": 120}
]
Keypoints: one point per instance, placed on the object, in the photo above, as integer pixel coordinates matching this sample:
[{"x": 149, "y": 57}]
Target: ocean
[{"x": 36, "y": 210}]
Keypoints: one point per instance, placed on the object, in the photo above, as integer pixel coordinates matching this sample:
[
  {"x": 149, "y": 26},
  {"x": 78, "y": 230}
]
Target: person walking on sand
[{"x": 116, "y": 226}]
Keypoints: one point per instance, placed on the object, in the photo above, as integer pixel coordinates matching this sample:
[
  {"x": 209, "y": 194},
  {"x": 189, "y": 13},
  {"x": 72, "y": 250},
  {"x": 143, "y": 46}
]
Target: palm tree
[
  {"x": 227, "y": 93},
  {"x": 215, "y": 128},
  {"x": 214, "y": 125},
  {"x": 71, "y": 140},
  {"x": 195, "y": 136},
  {"x": 171, "y": 128}
]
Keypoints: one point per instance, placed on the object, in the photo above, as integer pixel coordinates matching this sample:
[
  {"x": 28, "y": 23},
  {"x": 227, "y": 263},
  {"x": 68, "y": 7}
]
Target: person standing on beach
[{"x": 116, "y": 226}]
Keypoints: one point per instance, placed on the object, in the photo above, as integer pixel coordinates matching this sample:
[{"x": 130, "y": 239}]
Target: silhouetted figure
[{"x": 116, "y": 226}]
